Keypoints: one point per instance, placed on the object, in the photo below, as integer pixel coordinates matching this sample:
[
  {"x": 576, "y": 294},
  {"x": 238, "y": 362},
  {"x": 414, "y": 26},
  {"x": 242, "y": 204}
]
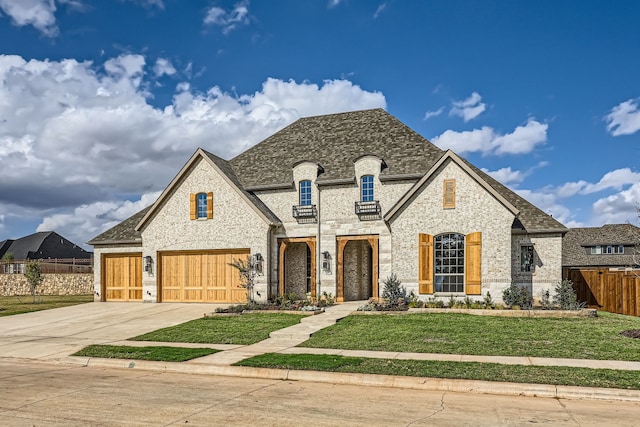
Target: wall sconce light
[
  {"x": 326, "y": 262},
  {"x": 148, "y": 264},
  {"x": 257, "y": 263}
]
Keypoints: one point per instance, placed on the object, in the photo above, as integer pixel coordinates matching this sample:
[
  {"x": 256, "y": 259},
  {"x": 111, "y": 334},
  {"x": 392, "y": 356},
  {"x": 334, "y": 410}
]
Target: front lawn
[
  {"x": 164, "y": 354},
  {"x": 242, "y": 329},
  {"x": 558, "y": 375},
  {"x": 579, "y": 338},
  {"x": 24, "y": 303}
]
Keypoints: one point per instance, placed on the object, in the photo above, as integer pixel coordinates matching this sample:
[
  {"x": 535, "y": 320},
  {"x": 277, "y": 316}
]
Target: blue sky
[{"x": 102, "y": 102}]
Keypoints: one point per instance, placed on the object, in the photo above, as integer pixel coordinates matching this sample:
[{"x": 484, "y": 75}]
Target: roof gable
[
  {"x": 221, "y": 167},
  {"x": 448, "y": 155}
]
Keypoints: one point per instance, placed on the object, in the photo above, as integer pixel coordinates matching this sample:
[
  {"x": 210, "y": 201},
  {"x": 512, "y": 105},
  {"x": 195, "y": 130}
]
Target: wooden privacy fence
[
  {"x": 49, "y": 265},
  {"x": 612, "y": 291}
]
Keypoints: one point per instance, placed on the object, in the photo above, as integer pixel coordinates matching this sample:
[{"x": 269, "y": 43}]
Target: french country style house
[{"x": 330, "y": 204}]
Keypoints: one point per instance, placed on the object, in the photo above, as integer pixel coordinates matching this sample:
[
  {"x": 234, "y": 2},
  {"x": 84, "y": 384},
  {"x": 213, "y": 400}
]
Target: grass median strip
[
  {"x": 243, "y": 329},
  {"x": 24, "y": 304},
  {"x": 557, "y": 375},
  {"x": 578, "y": 338},
  {"x": 157, "y": 353}
]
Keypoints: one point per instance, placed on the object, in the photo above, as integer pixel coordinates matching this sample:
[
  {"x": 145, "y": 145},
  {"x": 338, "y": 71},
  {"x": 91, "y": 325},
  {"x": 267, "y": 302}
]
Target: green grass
[
  {"x": 557, "y": 375},
  {"x": 244, "y": 329},
  {"x": 24, "y": 304},
  {"x": 579, "y": 338},
  {"x": 163, "y": 354}
]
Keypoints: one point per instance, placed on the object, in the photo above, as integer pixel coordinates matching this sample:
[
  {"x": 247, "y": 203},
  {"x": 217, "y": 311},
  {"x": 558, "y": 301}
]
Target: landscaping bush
[
  {"x": 565, "y": 296},
  {"x": 393, "y": 292},
  {"x": 517, "y": 297},
  {"x": 545, "y": 301}
]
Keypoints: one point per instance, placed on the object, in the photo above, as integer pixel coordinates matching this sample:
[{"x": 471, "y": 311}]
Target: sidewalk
[{"x": 286, "y": 340}]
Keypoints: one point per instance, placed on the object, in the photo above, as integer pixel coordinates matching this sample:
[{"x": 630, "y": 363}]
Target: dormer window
[
  {"x": 305, "y": 193},
  {"x": 366, "y": 188}
]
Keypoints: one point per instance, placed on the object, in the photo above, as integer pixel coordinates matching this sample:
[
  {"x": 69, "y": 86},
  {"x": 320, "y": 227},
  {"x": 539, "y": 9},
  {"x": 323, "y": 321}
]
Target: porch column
[
  {"x": 311, "y": 243},
  {"x": 374, "y": 243},
  {"x": 342, "y": 242},
  {"x": 281, "y": 250}
]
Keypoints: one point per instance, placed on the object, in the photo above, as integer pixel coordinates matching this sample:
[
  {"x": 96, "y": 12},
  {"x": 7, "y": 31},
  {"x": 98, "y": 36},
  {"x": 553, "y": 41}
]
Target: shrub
[
  {"x": 488, "y": 300},
  {"x": 545, "y": 300},
  {"x": 517, "y": 297},
  {"x": 452, "y": 302},
  {"x": 565, "y": 296},
  {"x": 414, "y": 301},
  {"x": 432, "y": 302},
  {"x": 393, "y": 291}
]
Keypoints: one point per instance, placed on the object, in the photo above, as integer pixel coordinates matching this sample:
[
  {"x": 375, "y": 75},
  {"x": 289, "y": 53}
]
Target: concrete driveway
[{"x": 53, "y": 334}]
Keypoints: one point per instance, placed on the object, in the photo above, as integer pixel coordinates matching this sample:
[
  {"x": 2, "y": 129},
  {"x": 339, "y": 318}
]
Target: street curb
[{"x": 374, "y": 380}]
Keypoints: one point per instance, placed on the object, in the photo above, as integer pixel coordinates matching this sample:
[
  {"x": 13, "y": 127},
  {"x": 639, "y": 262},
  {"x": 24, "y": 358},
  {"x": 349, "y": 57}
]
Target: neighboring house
[
  {"x": 334, "y": 204},
  {"x": 604, "y": 265},
  {"x": 41, "y": 245}
]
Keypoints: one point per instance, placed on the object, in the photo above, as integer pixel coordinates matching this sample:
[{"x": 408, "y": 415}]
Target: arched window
[
  {"x": 305, "y": 192},
  {"x": 448, "y": 258},
  {"x": 366, "y": 188},
  {"x": 201, "y": 205}
]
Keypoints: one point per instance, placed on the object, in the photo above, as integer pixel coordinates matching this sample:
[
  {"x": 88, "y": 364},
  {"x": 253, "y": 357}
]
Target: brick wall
[{"x": 53, "y": 284}]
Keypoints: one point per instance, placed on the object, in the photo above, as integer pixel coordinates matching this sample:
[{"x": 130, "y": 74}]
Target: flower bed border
[{"x": 584, "y": 312}]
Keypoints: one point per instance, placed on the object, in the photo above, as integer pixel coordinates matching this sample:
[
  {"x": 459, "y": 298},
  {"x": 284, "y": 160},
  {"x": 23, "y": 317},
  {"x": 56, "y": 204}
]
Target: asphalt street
[{"x": 40, "y": 394}]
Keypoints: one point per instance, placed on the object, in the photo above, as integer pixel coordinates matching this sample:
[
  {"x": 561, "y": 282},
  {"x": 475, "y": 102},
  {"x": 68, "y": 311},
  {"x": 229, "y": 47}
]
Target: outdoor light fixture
[
  {"x": 326, "y": 262},
  {"x": 148, "y": 264},
  {"x": 257, "y": 262}
]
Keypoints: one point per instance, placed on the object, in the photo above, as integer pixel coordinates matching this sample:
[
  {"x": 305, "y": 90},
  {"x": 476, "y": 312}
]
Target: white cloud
[
  {"x": 507, "y": 175},
  {"x": 80, "y": 134},
  {"x": 435, "y": 113},
  {"x": 149, "y": 3},
  {"x": 239, "y": 14},
  {"x": 619, "y": 208},
  {"x": 39, "y": 13},
  {"x": 524, "y": 139},
  {"x": 615, "y": 179},
  {"x": 333, "y": 3},
  {"x": 379, "y": 10},
  {"x": 469, "y": 108},
  {"x": 163, "y": 66},
  {"x": 624, "y": 118}
]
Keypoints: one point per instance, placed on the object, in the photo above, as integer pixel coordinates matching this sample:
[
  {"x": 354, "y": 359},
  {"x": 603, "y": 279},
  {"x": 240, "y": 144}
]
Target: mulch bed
[{"x": 631, "y": 333}]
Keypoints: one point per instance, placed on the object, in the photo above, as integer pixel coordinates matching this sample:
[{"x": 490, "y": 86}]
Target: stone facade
[
  {"x": 235, "y": 225},
  {"x": 547, "y": 261},
  {"x": 475, "y": 210},
  {"x": 53, "y": 284}
]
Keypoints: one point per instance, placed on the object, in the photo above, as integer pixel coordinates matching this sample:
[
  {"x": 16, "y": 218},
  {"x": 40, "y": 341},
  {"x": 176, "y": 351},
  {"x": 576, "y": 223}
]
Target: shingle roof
[
  {"x": 574, "y": 243},
  {"x": 43, "y": 244},
  {"x": 125, "y": 232},
  {"x": 335, "y": 141}
]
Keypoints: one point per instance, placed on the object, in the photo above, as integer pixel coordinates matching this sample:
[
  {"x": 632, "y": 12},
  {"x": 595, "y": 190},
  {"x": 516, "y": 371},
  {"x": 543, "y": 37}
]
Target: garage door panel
[
  {"x": 122, "y": 277},
  {"x": 202, "y": 276}
]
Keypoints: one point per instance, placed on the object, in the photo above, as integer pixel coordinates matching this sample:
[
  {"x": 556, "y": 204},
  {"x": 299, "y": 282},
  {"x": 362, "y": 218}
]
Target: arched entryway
[
  {"x": 297, "y": 266},
  {"x": 357, "y": 268}
]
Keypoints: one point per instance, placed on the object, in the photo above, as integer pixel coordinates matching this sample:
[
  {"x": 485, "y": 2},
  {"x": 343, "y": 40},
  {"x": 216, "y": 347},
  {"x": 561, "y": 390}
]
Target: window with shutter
[
  {"x": 209, "y": 205},
  {"x": 192, "y": 206},
  {"x": 449, "y": 194},
  {"x": 425, "y": 264}
]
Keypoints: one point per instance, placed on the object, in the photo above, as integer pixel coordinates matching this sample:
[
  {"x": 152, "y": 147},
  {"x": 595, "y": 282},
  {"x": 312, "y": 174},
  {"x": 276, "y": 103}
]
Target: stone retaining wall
[{"x": 53, "y": 284}]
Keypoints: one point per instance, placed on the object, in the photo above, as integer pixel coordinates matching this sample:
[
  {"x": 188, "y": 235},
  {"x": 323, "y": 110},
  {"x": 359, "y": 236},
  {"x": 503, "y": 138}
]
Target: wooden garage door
[
  {"x": 201, "y": 276},
  {"x": 122, "y": 277}
]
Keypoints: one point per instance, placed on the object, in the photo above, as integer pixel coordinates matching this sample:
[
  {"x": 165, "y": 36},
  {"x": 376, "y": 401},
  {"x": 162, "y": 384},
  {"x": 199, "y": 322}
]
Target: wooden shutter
[
  {"x": 449, "y": 194},
  {"x": 193, "y": 209},
  {"x": 209, "y": 205},
  {"x": 425, "y": 263},
  {"x": 473, "y": 263}
]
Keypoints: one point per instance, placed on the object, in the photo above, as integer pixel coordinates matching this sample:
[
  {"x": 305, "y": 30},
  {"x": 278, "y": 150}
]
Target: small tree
[
  {"x": 34, "y": 276},
  {"x": 8, "y": 256},
  {"x": 565, "y": 296},
  {"x": 247, "y": 275},
  {"x": 516, "y": 296}
]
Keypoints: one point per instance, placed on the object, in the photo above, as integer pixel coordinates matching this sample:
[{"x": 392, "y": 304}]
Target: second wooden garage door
[
  {"x": 122, "y": 277},
  {"x": 201, "y": 276}
]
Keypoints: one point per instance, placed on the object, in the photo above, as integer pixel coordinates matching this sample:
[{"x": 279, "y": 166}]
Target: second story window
[
  {"x": 305, "y": 193},
  {"x": 366, "y": 188},
  {"x": 202, "y": 205}
]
